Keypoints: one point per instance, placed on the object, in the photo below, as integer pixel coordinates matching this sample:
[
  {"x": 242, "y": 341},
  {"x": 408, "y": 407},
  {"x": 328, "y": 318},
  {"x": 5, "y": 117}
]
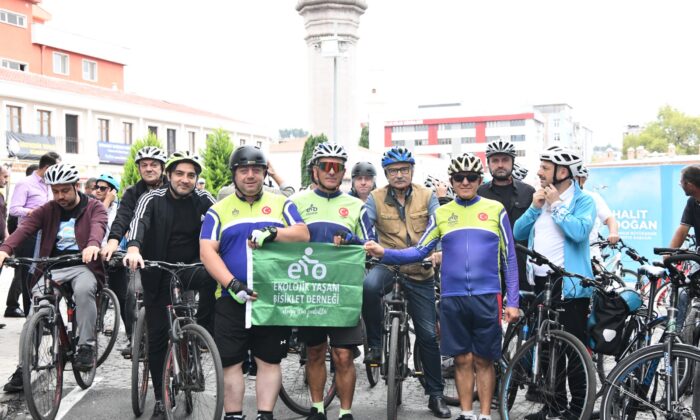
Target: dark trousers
[
  {"x": 573, "y": 318},
  {"x": 118, "y": 281},
  {"x": 157, "y": 315},
  {"x": 20, "y": 281}
]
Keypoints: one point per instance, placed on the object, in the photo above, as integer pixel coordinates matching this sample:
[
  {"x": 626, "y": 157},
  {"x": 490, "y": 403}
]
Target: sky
[{"x": 615, "y": 62}]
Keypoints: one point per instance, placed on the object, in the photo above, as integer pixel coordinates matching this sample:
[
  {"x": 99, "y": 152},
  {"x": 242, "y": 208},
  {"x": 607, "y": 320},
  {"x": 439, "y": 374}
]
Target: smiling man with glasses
[
  {"x": 475, "y": 232},
  {"x": 400, "y": 212}
]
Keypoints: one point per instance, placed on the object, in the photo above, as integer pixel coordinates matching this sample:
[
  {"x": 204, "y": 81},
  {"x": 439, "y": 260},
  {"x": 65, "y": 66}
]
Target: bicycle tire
[
  {"x": 85, "y": 378},
  {"x": 635, "y": 367},
  {"x": 139, "y": 364},
  {"x": 372, "y": 372},
  {"x": 33, "y": 346},
  {"x": 295, "y": 394},
  {"x": 522, "y": 362},
  {"x": 108, "y": 323},
  {"x": 393, "y": 377},
  {"x": 197, "y": 392},
  {"x": 629, "y": 276},
  {"x": 448, "y": 375}
]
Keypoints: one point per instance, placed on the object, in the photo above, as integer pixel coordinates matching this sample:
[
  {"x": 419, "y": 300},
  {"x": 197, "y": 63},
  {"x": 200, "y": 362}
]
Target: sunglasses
[
  {"x": 327, "y": 166},
  {"x": 102, "y": 188},
  {"x": 470, "y": 177}
]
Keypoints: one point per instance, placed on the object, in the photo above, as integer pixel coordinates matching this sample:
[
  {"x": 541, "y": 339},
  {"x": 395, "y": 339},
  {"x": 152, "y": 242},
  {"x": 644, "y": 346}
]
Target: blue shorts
[{"x": 471, "y": 324}]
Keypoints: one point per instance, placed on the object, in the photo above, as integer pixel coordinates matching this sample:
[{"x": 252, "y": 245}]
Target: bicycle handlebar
[
  {"x": 45, "y": 261},
  {"x": 540, "y": 259},
  {"x": 372, "y": 261}
]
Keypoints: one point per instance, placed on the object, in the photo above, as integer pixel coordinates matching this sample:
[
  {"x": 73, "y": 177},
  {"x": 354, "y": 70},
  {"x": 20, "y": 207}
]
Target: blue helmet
[
  {"x": 397, "y": 155},
  {"x": 109, "y": 179}
]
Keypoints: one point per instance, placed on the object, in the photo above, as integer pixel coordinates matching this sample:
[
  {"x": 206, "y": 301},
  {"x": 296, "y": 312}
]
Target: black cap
[{"x": 247, "y": 156}]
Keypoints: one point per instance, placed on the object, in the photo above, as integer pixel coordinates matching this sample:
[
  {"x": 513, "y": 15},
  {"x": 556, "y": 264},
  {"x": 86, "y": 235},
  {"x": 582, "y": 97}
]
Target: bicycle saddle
[{"x": 651, "y": 271}]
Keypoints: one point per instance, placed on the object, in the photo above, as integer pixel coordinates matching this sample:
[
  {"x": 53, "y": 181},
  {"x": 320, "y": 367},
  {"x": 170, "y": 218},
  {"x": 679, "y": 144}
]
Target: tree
[
  {"x": 309, "y": 146},
  {"x": 671, "y": 127},
  {"x": 364, "y": 137},
  {"x": 215, "y": 156},
  {"x": 131, "y": 173}
]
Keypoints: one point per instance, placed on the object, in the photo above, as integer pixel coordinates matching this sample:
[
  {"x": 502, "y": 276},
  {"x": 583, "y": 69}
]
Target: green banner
[{"x": 306, "y": 284}]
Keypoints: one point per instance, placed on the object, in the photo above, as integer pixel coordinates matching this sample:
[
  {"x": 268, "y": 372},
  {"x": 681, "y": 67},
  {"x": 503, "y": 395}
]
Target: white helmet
[
  {"x": 432, "y": 183},
  {"x": 61, "y": 173},
  {"x": 582, "y": 171},
  {"x": 466, "y": 162},
  {"x": 150, "y": 152},
  {"x": 563, "y": 157},
  {"x": 500, "y": 146},
  {"x": 328, "y": 150},
  {"x": 519, "y": 172}
]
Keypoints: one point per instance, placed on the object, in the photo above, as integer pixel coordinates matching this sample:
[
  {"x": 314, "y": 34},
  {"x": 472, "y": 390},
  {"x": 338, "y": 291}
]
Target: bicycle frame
[{"x": 395, "y": 305}]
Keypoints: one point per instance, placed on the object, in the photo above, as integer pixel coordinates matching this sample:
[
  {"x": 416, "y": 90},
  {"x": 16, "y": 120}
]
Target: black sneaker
[
  {"x": 438, "y": 406},
  {"x": 14, "y": 383},
  {"x": 85, "y": 359},
  {"x": 126, "y": 351},
  {"x": 14, "y": 313},
  {"x": 347, "y": 416},
  {"x": 158, "y": 411},
  {"x": 264, "y": 416},
  {"x": 315, "y": 415},
  {"x": 544, "y": 414},
  {"x": 373, "y": 356}
]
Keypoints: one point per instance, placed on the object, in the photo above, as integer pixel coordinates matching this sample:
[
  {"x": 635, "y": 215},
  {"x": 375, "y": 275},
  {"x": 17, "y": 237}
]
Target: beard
[{"x": 501, "y": 175}]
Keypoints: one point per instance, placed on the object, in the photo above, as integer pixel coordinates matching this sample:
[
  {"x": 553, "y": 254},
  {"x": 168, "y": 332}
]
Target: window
[
  {"x": 420, "y": 142},
  {"x": 152, "y": 129},
  {"x": 555, "y": 122},
  {"x": 12, "y": 18},
  {"x": 172, "y": 144},
  {"x": 517, "y": 123},
  {"x": 128, "y": 132},
  {"x": 444, "y": 141},
  {"x": 454, "y": 126},
  {"x": 520, "y": 153},
  {"x": 43, "y": 121},
  {"x": 467, "y": 140},
  {"x": 13, "y": 65},
  {"x": 103, "y": 127},
  {"x": 71, "y": 133},
  {"x": 191, "y": 137},
  {"x": 468, "y": 125},
  {"x": 517, "y": 137},
  {"x": 422, "y": 127},
  {"x": 497, "y": 123},
  {"x": 60, "y": 63},
  {"x": 489, "y": 139},
  {"x": 398, "y": 142},
  {"x": 259, "y": 144},
  {"x": 242, "y": 142},
  {"x": 14, "y": 119},
  {"x": 556, "y": 137},
  {"x": 89, "y": 70}
]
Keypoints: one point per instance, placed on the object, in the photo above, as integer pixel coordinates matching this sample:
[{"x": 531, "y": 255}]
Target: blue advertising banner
[
  {"x": 113, "y": 152},
  {"x": 28, "y": 146},
  {"x": 646, "y": 200}
]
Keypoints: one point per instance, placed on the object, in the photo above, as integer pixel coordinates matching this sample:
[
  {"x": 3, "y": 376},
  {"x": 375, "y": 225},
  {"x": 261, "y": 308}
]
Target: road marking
[{"x": 73, "y": 398}]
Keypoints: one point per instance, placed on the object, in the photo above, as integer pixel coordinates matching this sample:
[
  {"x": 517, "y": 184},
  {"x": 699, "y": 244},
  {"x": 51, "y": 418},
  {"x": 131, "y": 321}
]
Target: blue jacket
[{"x": 576, "y": 222}]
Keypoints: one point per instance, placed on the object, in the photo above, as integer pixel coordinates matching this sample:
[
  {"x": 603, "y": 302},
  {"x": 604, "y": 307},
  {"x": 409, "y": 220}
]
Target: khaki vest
[{"x": 393, "y": 233}]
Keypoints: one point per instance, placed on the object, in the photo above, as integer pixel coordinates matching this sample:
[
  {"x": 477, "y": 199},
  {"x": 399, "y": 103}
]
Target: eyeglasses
[
  {"x": 327, "y": 166},
  {"x": 470, "y": 177},
  {"x": 101, "y": 188},
  {"x": 404, "y": 170}
]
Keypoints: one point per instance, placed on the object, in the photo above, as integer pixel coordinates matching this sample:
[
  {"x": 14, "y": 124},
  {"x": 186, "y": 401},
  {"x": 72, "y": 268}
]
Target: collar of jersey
[
  {"x": 327, "y": 195},
  {"x": 235, "y": 192},
  {"x": 466, "y": 203}
]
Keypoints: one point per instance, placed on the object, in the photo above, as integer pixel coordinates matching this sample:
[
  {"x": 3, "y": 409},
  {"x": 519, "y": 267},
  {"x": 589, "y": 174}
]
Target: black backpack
[{"x": 606, "y": 322}]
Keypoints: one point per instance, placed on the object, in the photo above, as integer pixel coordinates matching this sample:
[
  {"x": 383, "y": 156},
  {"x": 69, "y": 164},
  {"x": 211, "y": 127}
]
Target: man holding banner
[
  {"x": 328, "y": 212},
  {"x": 247, "y": 219}
]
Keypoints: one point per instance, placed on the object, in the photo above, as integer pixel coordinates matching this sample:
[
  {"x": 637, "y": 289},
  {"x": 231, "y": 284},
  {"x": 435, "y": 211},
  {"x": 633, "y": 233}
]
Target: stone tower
[{"x": 331, "y": 39}]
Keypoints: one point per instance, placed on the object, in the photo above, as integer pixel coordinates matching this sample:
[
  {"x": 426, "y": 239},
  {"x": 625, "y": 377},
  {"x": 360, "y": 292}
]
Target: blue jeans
[{"x": 421, "y": 308}]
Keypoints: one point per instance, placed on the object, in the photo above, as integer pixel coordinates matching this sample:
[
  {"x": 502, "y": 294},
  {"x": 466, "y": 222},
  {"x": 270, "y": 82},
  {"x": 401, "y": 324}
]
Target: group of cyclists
[{"x": 470, "y": 223}]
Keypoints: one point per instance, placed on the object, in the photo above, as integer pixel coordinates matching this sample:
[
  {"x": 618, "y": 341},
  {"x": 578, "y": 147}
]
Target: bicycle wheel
[
  {"x": 393, "y": 377},
  {"x": 108, "y": 322},
  {"x": 197, "y": 390},
  {"x": 630, "y": 276},
  {"x": 294, "y": 391},
  {"x": 637, "y": 387},
  {"x": 560, "y": 356},
  {"x": 42, "y": 365},
  {"x": 139, "y": 364},
  {"x": 447, "y": 368},
  {"x": 372, "y": 371},
  {"x": 85, "y": 378}
]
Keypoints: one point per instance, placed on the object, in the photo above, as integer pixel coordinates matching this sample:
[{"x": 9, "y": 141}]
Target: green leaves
[
  {"x": 364, "y": 137},
  {"x": 671, "y": 127},
  {"x": 309, "y": 146},
  {"x": 215, "y": 156}
]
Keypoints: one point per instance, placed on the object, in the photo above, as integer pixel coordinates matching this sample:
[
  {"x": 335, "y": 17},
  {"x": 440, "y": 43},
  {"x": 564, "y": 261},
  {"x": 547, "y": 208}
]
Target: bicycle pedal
[
  {"x": 374, "y": 365},
  {"x": 417, "y": 373}
]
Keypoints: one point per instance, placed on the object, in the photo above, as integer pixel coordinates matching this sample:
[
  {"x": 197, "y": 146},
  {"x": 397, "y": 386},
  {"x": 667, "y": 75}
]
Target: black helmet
[
  {"x": 363, "y": 169},
  {"x": 247, "y": 156}
]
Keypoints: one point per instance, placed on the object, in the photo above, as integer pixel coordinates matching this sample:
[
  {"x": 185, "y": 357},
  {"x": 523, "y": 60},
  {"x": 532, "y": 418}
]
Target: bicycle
[
  {"x": 543, "y": 362},
  {"x": 193, "y": 377},
  {"x": 612, "y": 262},
  {"x": 646, "y": 383},
  {"x": 47, "y": 342},
  {"x": 294, "y": 391}
]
